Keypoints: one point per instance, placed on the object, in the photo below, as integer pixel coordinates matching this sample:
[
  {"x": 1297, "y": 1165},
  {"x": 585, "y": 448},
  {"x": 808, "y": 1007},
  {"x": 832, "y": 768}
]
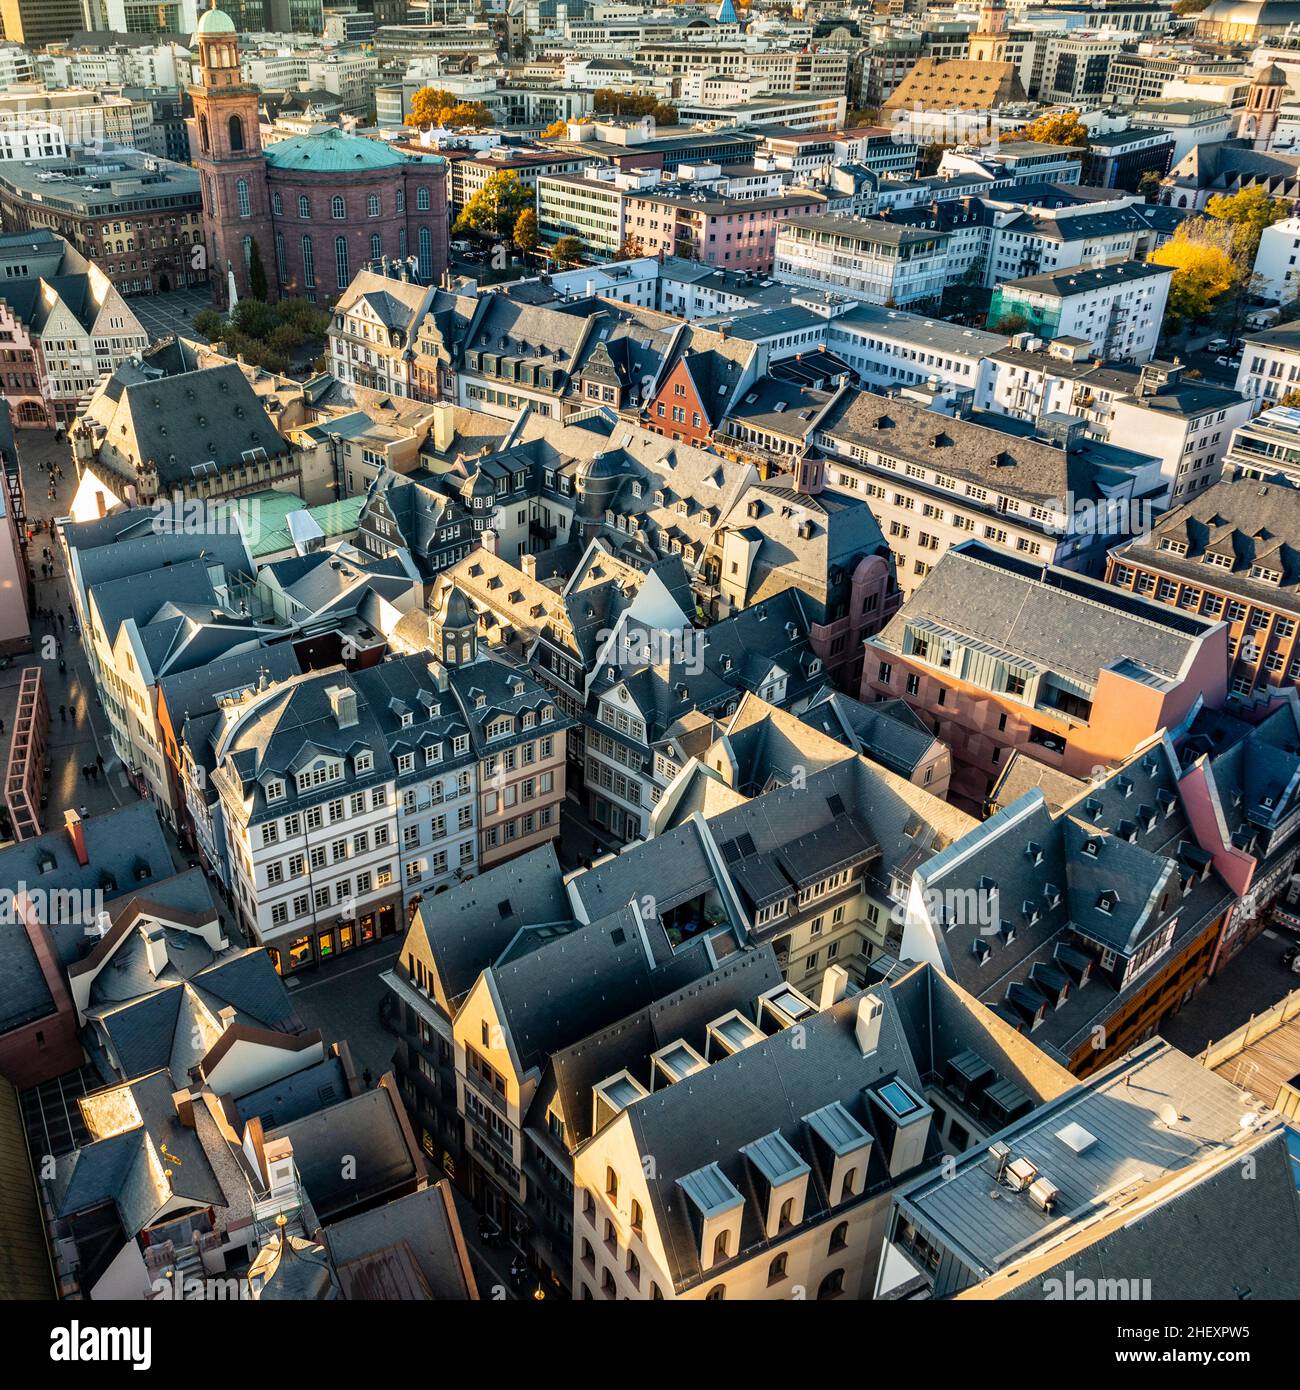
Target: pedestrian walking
[
  {"x": 85, "y": 772},
  {"x": 83, "y": 812},
  {"x": 63, "y": 713},
  {"x": 63, "y": 667},
  {"x": 60, "y": 622},
  {"x": 99, "y": 757},
  {"x": 365, "y": 1076},
  {"x": 72, "y": 612}
]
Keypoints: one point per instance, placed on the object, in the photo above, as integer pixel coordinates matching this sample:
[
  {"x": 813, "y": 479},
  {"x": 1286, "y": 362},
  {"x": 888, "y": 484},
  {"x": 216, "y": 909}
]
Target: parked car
[
  {"x": 1214, "y": 345},
  {"x": 1291, "y": 959},
  {"x": 1222, "y": 362}
]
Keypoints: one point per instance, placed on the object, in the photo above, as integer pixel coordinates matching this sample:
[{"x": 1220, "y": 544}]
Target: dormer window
[
  {"x": 407, "y": 719},
  {"x": 405, "y": 762},
  {"x": 433, "y": 753},
  {"x": 275, "y": 790},
  {"x": 365, "y": 761}
]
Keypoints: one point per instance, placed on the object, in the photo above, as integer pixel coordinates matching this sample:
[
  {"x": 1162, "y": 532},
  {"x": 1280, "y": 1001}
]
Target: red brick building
[{"x": 318, "y": 208}]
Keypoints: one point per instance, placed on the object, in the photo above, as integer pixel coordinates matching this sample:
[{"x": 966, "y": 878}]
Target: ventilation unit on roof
[
  {"x": 1000, "y": 1155},
  {"x": 1043, "y": 1194},
  {"x": 1020, "y": 1174}
]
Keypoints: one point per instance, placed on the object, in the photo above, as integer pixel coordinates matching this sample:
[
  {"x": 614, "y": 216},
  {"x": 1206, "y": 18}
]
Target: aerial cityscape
[{"x": 648, "y": 651}]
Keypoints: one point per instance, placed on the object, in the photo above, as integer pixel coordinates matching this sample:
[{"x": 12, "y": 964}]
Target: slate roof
[
  {"x": 629, "y": 1042},
  {"x": 768, "y": 1087},
  {"x": 1047, "y": 617},
  {"x": 1040, "y": 877},
  {"x": 457, "y": 934},
  {"x": 425, "y": 1225},
  {"x": 175, "y": 1018},
  {"x": 1253, "y": 525},
  {"x": 889, "y": 733},
  {"x": 372, "y": 1129},
  {"x": 134, "y": 1129},
  {"x": 126, "y": 851},
  {"x": 575, "y": 982},
  {"x": 179, "y": 421},
  {"x": 992, "y": 457}
]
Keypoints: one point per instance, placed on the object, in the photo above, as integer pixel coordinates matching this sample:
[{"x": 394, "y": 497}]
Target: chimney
[
  {"x": 439, "y": 673},
  {"x": 835, "y": 983},
  {"x": 76, "y": 832},
  {"x": 867, "y": 1028},
  {"x": 155, "y": 948},
  {"x": 184, "y": 1104},
  {"x": 528, "y": 563},
  {"x": 444, "y": 426},
  {"x": 343, "y": 701},
  {"x": 227, "y": 1016},
  {"x": 488, "y": 540}
]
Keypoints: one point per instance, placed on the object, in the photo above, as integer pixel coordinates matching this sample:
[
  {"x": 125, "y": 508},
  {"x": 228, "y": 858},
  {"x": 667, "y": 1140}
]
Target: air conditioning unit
[
  {"x": 1043, "y": 1194},
  {"x": 1020, "y": 1174},
  {"x": 1000, "y": 1153}
]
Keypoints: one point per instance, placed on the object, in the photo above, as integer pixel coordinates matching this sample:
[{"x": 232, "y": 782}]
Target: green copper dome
[
  {"x": 332, "y": 152},
  {"x": 215, "y": 22}
]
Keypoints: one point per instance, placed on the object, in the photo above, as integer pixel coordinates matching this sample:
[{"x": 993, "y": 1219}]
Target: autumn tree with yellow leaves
[{"x": 1201, "y": 253}]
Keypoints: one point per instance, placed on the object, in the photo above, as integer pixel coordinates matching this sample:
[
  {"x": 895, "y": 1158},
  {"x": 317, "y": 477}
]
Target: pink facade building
[
  {"x": 731, "y": 233},
  {"x": 996, "y": 654}
]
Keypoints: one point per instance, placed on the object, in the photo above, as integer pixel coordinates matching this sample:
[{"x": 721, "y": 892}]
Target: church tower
[
  {"x": 1263, "y": 103},
  {"x": 226, "y": 148},
  {"x": 988, "y": 44}
]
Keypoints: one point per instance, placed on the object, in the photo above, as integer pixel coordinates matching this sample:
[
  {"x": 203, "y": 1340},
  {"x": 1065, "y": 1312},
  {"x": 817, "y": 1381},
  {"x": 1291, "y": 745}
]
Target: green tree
[
  {"x": 568, "y": 251},
  {"x": 208, "y": 323},
  {"x": 525, "y": 234},
  {"x": 1247, "y": 213},
  {"x": 257, "y": 285},
  {"x": 1010, "y": 324},
  {"x": 1149, "y": 184},
  {"x": 495, "y": 208},
  {"x": 605, "y": 101}
]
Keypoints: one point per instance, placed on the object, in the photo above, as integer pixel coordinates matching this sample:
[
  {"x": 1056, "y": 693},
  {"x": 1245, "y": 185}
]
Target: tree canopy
[
  {"x": 1058, "y": 128},
  {"x": 1201, "y": 255},
  {"x": 525, "y": 234},
  {"x": 557, "y": 130},
  {"x": 607, "y": 102},
  {"x": 494, "y": 210},
  {"x": 568, "y": 251},
  {"x": 1247, "y": 212},
  {"x": 431, "y": 106}
]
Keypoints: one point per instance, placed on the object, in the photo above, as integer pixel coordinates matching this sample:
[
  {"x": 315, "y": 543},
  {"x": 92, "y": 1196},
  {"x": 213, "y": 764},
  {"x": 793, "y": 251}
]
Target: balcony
[{"x": 483, "y": 1088}]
